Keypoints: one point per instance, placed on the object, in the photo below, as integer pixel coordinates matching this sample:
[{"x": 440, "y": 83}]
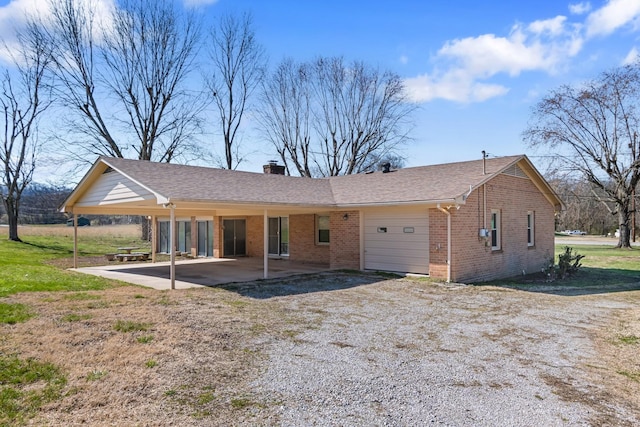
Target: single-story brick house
[{"x": 467, "y": 221}]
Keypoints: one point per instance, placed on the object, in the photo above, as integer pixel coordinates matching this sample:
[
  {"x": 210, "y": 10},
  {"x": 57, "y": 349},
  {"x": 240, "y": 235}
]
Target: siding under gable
[{"x": 111, "y": 188}]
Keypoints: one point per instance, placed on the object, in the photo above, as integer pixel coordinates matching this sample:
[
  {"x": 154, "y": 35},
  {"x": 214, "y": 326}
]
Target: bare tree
[
  {"x": 285, "y": 115},
  {"x": 23, "y": 102},
  {"x": 140, "y": 55},
  {"x": 149, "y": 53},
  {"x": 238, "y": 64},
  {"x": 357, "y": 114},
  {"x": 592, "y": 129}
]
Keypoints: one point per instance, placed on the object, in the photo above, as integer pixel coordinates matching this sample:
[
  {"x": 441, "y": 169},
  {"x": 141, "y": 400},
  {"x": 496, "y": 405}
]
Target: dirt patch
[{"x": 265, "y": 352}]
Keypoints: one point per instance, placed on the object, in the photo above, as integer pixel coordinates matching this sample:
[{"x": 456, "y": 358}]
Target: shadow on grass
[
  {"x": 587, "y": 281},
  {"x": 57, "y": 248}
]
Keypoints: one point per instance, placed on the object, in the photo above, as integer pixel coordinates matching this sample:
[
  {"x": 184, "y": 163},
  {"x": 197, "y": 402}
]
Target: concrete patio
[{"x": 201, "y": 272}]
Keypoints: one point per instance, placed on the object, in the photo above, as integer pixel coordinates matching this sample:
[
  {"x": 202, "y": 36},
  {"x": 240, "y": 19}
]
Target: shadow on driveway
[{"x": 304, "y": 284}]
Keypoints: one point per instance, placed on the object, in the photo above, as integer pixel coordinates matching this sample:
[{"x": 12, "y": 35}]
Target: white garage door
[{"x": 396, "y": 241}]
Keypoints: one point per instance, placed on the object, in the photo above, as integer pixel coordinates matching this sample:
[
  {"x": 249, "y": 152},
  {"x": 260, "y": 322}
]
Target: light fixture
[{"x": 345, "y": 216}]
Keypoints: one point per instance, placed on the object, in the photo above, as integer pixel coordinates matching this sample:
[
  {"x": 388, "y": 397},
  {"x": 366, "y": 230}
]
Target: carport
[
  {"x": 126, "y": 187},
  {"x": 200, "y": 272}
]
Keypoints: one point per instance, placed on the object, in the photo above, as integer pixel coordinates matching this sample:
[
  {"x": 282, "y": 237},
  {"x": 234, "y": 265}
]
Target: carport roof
[{"x": 444, "y": 183}]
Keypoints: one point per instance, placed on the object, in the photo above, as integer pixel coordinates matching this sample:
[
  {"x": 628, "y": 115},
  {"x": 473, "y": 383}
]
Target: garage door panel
[
  {"x": 392, "y": 253},
  {"x": 417, "y": 231},
  {"x": 396, "y": 250},
  {"x": 392, "y": 245}
]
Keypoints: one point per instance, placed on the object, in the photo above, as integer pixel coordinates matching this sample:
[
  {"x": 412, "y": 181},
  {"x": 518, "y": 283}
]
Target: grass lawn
[
  {"x": 604, "y": 268},
  {"x": 34, "y": 264}
]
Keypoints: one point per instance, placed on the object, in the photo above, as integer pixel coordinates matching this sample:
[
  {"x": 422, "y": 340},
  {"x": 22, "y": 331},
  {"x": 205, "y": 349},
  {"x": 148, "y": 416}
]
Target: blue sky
[{"x": 474, "y": 68}]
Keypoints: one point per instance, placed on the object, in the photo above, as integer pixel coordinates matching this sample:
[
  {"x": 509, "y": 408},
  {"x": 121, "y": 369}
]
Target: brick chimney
[{"x": 274, "y": 168}]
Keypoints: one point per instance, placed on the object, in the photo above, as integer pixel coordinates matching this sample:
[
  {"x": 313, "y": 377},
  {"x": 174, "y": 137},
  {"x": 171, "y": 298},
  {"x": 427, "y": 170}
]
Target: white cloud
[
  {"x": 14, "y": 16},
  {"x": 454, "y": 86},
  {"x": 612, "y": 16},
  {"x": 580, "y": 8},
  {"x": 464, "y": 64},
  {"x": 554, "y": 26},
  {"x": 632, "y": 56},
  {"x": 404, "y": 59}
]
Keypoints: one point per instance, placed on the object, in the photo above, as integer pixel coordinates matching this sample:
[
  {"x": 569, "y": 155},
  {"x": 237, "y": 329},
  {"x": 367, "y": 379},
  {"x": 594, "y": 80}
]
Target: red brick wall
[
  {"x": 255, "y": 236},
  {"x": 217, "y": 237},
  {"x": 472, "y": 257},
  {"x": 345, "y": 240},
  {"x": 302, "y": 240}
]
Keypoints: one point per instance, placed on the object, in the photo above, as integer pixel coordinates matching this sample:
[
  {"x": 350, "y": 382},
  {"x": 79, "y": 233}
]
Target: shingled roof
[{"x": 426, "y": 184}]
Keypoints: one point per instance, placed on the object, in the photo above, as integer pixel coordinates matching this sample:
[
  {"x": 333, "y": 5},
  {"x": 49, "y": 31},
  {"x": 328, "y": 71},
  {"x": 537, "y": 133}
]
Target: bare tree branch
[
  {"x": 23, "y": 102},
  {"x": 238, "y": 65},
  {"x": 332, "y": 119},
  {"x": 593, "y": 129},
  {"x": 126, "y": 75}
]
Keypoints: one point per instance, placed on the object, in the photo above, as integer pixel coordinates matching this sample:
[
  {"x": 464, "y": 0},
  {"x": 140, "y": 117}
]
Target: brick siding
[
  {"x": 345, "y": 240},
  {"x": 302, "y": 240},
  {"x": 472, "y": 256}
]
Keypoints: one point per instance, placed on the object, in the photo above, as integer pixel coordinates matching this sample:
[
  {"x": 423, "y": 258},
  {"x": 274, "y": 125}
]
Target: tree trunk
[
  {"x": 11, "y": 207},
  {"x": 624, "y": 217},
  {"x": 145, "y": 227}
]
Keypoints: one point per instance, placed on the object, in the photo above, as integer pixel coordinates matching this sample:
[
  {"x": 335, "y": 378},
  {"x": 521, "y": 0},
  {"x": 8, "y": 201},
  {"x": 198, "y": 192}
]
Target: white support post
[
  {"x": 75, "y": 240},
  {"x": 266, "y": 245},
  {"x": 172, "y": 232}
]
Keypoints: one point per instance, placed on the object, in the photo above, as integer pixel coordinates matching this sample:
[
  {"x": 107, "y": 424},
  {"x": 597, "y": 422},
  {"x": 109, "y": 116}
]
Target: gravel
[{"x": 405, "y": 352}]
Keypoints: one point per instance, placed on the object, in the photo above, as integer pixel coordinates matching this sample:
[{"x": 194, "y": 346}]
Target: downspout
[
  {"x": 484, "y": 206},
  {"x": 448, "y": 214}
]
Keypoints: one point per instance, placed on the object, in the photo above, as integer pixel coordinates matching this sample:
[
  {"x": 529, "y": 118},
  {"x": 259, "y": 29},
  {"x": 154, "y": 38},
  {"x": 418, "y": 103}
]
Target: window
[
  {"x": 183, "y": 236},
  {"x": 495, "y": 230},
  {"x": 322, "y": 227},
  {"x": 530, "y": 228}
]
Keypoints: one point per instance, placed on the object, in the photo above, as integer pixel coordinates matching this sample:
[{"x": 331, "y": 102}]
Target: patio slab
[{"x": 201, "y": 272}]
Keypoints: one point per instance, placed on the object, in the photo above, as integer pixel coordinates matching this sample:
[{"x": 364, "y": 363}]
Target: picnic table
[
  {"x": 126, "y": 254},
  {"x": 127, "y": 249}
]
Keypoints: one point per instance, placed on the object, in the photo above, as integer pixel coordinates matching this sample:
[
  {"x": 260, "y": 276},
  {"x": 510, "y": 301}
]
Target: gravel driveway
[{"x": 405, "y": 352}]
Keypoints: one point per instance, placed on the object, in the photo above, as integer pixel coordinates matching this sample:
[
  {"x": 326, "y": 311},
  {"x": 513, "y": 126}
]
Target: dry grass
[
  {"x": 127, "y": 230},
  {"x": 189, "y": 365}
]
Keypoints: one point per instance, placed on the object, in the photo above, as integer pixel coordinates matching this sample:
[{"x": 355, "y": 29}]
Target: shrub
[{"x": 568, "y": 264}]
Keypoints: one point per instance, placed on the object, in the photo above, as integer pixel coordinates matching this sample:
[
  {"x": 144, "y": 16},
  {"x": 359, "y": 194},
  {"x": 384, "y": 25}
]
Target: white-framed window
[
  {"x": 496, "y": 243},
  {"x": 322, "y": 229},
  {"x": 531, "y": 218}
]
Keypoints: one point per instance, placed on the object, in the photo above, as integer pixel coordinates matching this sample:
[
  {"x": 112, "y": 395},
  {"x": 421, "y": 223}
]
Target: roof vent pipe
[
  {"x": 484, "y": 162},
  {"x": 386, "y": 167}
]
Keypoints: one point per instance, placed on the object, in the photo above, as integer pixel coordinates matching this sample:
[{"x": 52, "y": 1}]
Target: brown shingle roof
[
  {"x": 416, "y": 184},
  {"x": 195, "y": 183},
  {"x": 425, "y": 184}
]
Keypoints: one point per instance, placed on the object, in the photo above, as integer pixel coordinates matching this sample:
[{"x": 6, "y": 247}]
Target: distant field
[{"x": 128, "y": 230}]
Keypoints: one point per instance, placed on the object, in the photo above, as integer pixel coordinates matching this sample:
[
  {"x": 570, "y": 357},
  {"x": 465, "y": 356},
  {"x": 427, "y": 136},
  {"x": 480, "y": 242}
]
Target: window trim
[
  {"x": 496, "y": 230},
  {"x": 531, "y": 228},
  {"x": 317, "y": 230}
]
